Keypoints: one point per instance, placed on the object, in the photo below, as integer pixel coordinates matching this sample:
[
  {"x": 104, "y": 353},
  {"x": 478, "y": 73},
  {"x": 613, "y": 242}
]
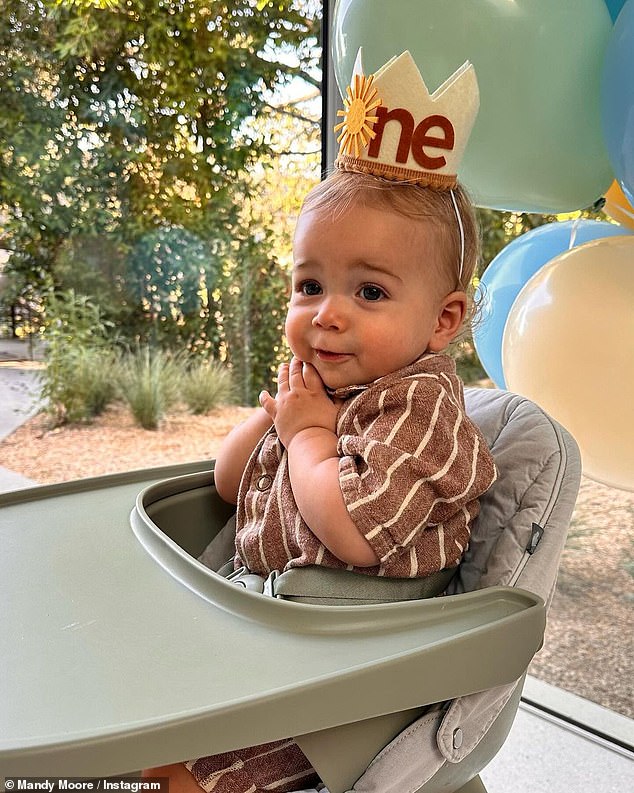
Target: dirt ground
[{"x": 588, "y": 646}]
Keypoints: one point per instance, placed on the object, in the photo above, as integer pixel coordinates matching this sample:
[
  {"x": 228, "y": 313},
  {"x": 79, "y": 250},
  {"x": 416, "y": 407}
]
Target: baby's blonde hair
[{"x": 342, "y": 190}]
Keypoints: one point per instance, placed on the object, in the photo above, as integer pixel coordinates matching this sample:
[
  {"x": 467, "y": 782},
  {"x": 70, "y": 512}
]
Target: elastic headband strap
[{"x": 461, "y": 228}]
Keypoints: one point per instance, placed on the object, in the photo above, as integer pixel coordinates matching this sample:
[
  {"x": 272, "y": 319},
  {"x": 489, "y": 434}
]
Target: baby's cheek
[{"x": 299, "y": 350}]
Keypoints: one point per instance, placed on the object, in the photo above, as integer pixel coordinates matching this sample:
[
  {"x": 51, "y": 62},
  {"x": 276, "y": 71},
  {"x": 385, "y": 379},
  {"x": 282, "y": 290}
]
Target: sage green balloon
[{"x": 537, "y": 144}]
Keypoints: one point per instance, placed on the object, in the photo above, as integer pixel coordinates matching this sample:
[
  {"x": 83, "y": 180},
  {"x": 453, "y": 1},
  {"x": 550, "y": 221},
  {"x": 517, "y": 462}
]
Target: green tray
[{"x": 121, "y": 651}]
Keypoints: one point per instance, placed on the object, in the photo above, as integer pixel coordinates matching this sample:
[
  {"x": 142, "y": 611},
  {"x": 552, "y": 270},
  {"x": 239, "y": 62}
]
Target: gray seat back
[{"x": 521, "y": 530}]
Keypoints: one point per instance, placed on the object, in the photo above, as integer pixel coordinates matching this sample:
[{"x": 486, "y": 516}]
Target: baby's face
[{"x": 366, "y": 295}]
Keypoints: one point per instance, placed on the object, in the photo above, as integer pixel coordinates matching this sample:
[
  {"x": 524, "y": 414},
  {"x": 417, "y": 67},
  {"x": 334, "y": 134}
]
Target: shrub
[
  {"x": 77, "y": 383},
  {"x": 148, "y": 381},
  {"x": 92, "y": 379},
  {"x": 206, "y": 385}
]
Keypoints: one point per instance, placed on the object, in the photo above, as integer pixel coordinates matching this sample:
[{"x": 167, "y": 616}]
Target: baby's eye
[
  {"x": 371, "y": 292},
  {"x": 310, "y": 288}
]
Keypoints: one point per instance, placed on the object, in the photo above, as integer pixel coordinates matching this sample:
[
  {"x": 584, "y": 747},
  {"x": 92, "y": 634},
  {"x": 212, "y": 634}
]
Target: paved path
[{"x": 18, "y": 402}]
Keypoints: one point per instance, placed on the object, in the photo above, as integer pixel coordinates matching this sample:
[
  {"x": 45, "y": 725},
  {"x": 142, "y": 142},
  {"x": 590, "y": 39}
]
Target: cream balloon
[{"x": 568, "y": 345}]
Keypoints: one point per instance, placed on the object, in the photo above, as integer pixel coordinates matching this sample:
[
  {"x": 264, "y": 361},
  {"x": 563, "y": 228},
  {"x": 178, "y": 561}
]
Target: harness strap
[{"x": 328, "y": 586}]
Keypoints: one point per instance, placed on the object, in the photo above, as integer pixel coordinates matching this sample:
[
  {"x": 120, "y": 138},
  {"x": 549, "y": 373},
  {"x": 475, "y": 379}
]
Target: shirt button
[{"x": 264, "y": 483}]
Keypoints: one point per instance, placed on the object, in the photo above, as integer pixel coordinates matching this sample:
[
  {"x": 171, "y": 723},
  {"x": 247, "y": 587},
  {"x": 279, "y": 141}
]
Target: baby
[{"x": 364, "y": 459}]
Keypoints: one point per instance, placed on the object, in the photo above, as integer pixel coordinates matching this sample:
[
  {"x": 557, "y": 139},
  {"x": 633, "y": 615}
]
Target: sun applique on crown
[
  {"x": 394, "y": 128},
  {"x": 359, "y": 104}
]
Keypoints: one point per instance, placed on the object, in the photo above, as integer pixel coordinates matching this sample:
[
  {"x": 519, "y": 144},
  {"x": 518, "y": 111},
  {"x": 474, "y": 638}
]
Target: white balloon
[{"x": 568, "y": 345}]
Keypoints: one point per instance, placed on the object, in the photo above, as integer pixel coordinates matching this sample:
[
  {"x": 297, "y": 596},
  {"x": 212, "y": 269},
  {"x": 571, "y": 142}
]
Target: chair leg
[{"x": 474, "y": 786}]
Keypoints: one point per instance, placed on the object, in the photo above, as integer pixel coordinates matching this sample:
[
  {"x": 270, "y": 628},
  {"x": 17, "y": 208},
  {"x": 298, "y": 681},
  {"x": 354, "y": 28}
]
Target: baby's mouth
[{"x": 332, "y": 357}]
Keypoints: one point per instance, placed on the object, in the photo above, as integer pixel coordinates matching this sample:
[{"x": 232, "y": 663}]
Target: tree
[
  {"x": 255, "y": 296},
  {"x": 128, "y": 121}
]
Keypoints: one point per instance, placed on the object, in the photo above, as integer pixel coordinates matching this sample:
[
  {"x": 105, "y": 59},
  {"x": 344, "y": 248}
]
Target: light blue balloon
[
  {"x": 614, "y": 7},
  {"x": 617, "y": 99},
  {"x": 511, "y": 269}
]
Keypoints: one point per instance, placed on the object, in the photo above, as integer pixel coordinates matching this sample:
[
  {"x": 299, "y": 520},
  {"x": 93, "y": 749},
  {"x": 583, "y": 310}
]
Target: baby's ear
[{"x": 449, "y": 321}]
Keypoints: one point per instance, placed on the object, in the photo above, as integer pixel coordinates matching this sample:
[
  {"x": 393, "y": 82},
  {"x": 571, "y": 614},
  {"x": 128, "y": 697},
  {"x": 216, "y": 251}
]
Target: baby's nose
[{"x": 331, "y": 314}]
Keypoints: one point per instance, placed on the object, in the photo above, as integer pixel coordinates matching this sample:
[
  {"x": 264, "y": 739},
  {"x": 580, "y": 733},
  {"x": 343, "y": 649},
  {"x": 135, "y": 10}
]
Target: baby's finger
[
  {"x": 282, "y": 378},
  {"x": 311, "y": 378},
  {"x": 268, "y": 403},
  {"x": 296, "y": 378}
]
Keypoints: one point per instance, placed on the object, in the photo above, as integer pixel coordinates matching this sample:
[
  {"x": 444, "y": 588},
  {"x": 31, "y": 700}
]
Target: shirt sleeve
[{"x": 416, "y": 461}]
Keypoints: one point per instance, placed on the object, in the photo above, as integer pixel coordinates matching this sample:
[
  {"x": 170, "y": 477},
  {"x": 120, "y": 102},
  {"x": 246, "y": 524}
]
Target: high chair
[{"x": 122, "y": 651}]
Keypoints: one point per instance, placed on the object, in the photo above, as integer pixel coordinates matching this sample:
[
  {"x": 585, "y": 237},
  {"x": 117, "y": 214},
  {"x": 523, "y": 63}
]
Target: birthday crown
[{"x": 393, "y": 127}]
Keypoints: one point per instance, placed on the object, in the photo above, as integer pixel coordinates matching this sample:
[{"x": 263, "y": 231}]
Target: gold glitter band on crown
[{"x": 396, "y": 174}]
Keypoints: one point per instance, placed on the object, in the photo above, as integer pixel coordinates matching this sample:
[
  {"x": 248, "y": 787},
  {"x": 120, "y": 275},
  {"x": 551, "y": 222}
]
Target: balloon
[
  {"x": 511, "y": 269},
  {"x": 569, "y": 345},
  {"x": 617, "y": 106},
  {"x": 614, "y": 7},
  {"x": 618, "y": 207},
  {"x": 537, "y": 144}
]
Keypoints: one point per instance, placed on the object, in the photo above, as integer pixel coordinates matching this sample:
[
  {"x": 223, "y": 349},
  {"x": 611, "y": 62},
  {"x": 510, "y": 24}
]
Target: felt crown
[{"x": 394, "y": 128}]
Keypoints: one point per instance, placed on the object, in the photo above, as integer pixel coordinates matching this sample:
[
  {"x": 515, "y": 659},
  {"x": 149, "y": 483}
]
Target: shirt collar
[{"x": 345, "y": 392}]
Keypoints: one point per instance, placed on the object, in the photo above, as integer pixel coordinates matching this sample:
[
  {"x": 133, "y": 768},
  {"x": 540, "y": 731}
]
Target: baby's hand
[{"x": 301, "y": 402}]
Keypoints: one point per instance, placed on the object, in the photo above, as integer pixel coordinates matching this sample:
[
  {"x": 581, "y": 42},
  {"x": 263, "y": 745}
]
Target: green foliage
[
  {"x": 77, "y": 382},
  {"x": 168, "y": 268},
  {"x": 253, "y": 304},
  {"x": 149, "y": 381},
  {"x": 498, "y": 228},
  {"x": 135, "y": 113},
  {"x": 206, "y": 385},
  {"x": 131, "y": 125},
  {"x": 95, "y": 373},
  {"x": 468, "y": 365}
]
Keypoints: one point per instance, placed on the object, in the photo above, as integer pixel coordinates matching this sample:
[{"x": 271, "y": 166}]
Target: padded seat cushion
[{"x": 535, "y": 460}]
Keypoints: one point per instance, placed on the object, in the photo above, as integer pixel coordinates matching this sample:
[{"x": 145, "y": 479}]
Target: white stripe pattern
[
  {"x": 377, "y": 493},
  {"x": 432, "y": 425},
  {"x": 210, "y": 782},
  {"x": 433, "y": 478},
  {"x": 441, "y": 546},
  {"x": 457, "y": 497},
  {"x": 413, "y": 562},
  {"x": 285, "y": 781},
  {"x": 451, "y": 386},
  {"x": 280, "y": 512},
  {"x": 411, "y": 469},
  {"x": 406, "y": 414},
  {"x": 344, "y": 414}
]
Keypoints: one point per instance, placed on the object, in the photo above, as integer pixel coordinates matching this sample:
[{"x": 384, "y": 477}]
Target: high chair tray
[{"x": 121, "y": 651}]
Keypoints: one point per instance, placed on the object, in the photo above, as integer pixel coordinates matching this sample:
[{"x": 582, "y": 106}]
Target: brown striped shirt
[{"x": 412, "y": 467}]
